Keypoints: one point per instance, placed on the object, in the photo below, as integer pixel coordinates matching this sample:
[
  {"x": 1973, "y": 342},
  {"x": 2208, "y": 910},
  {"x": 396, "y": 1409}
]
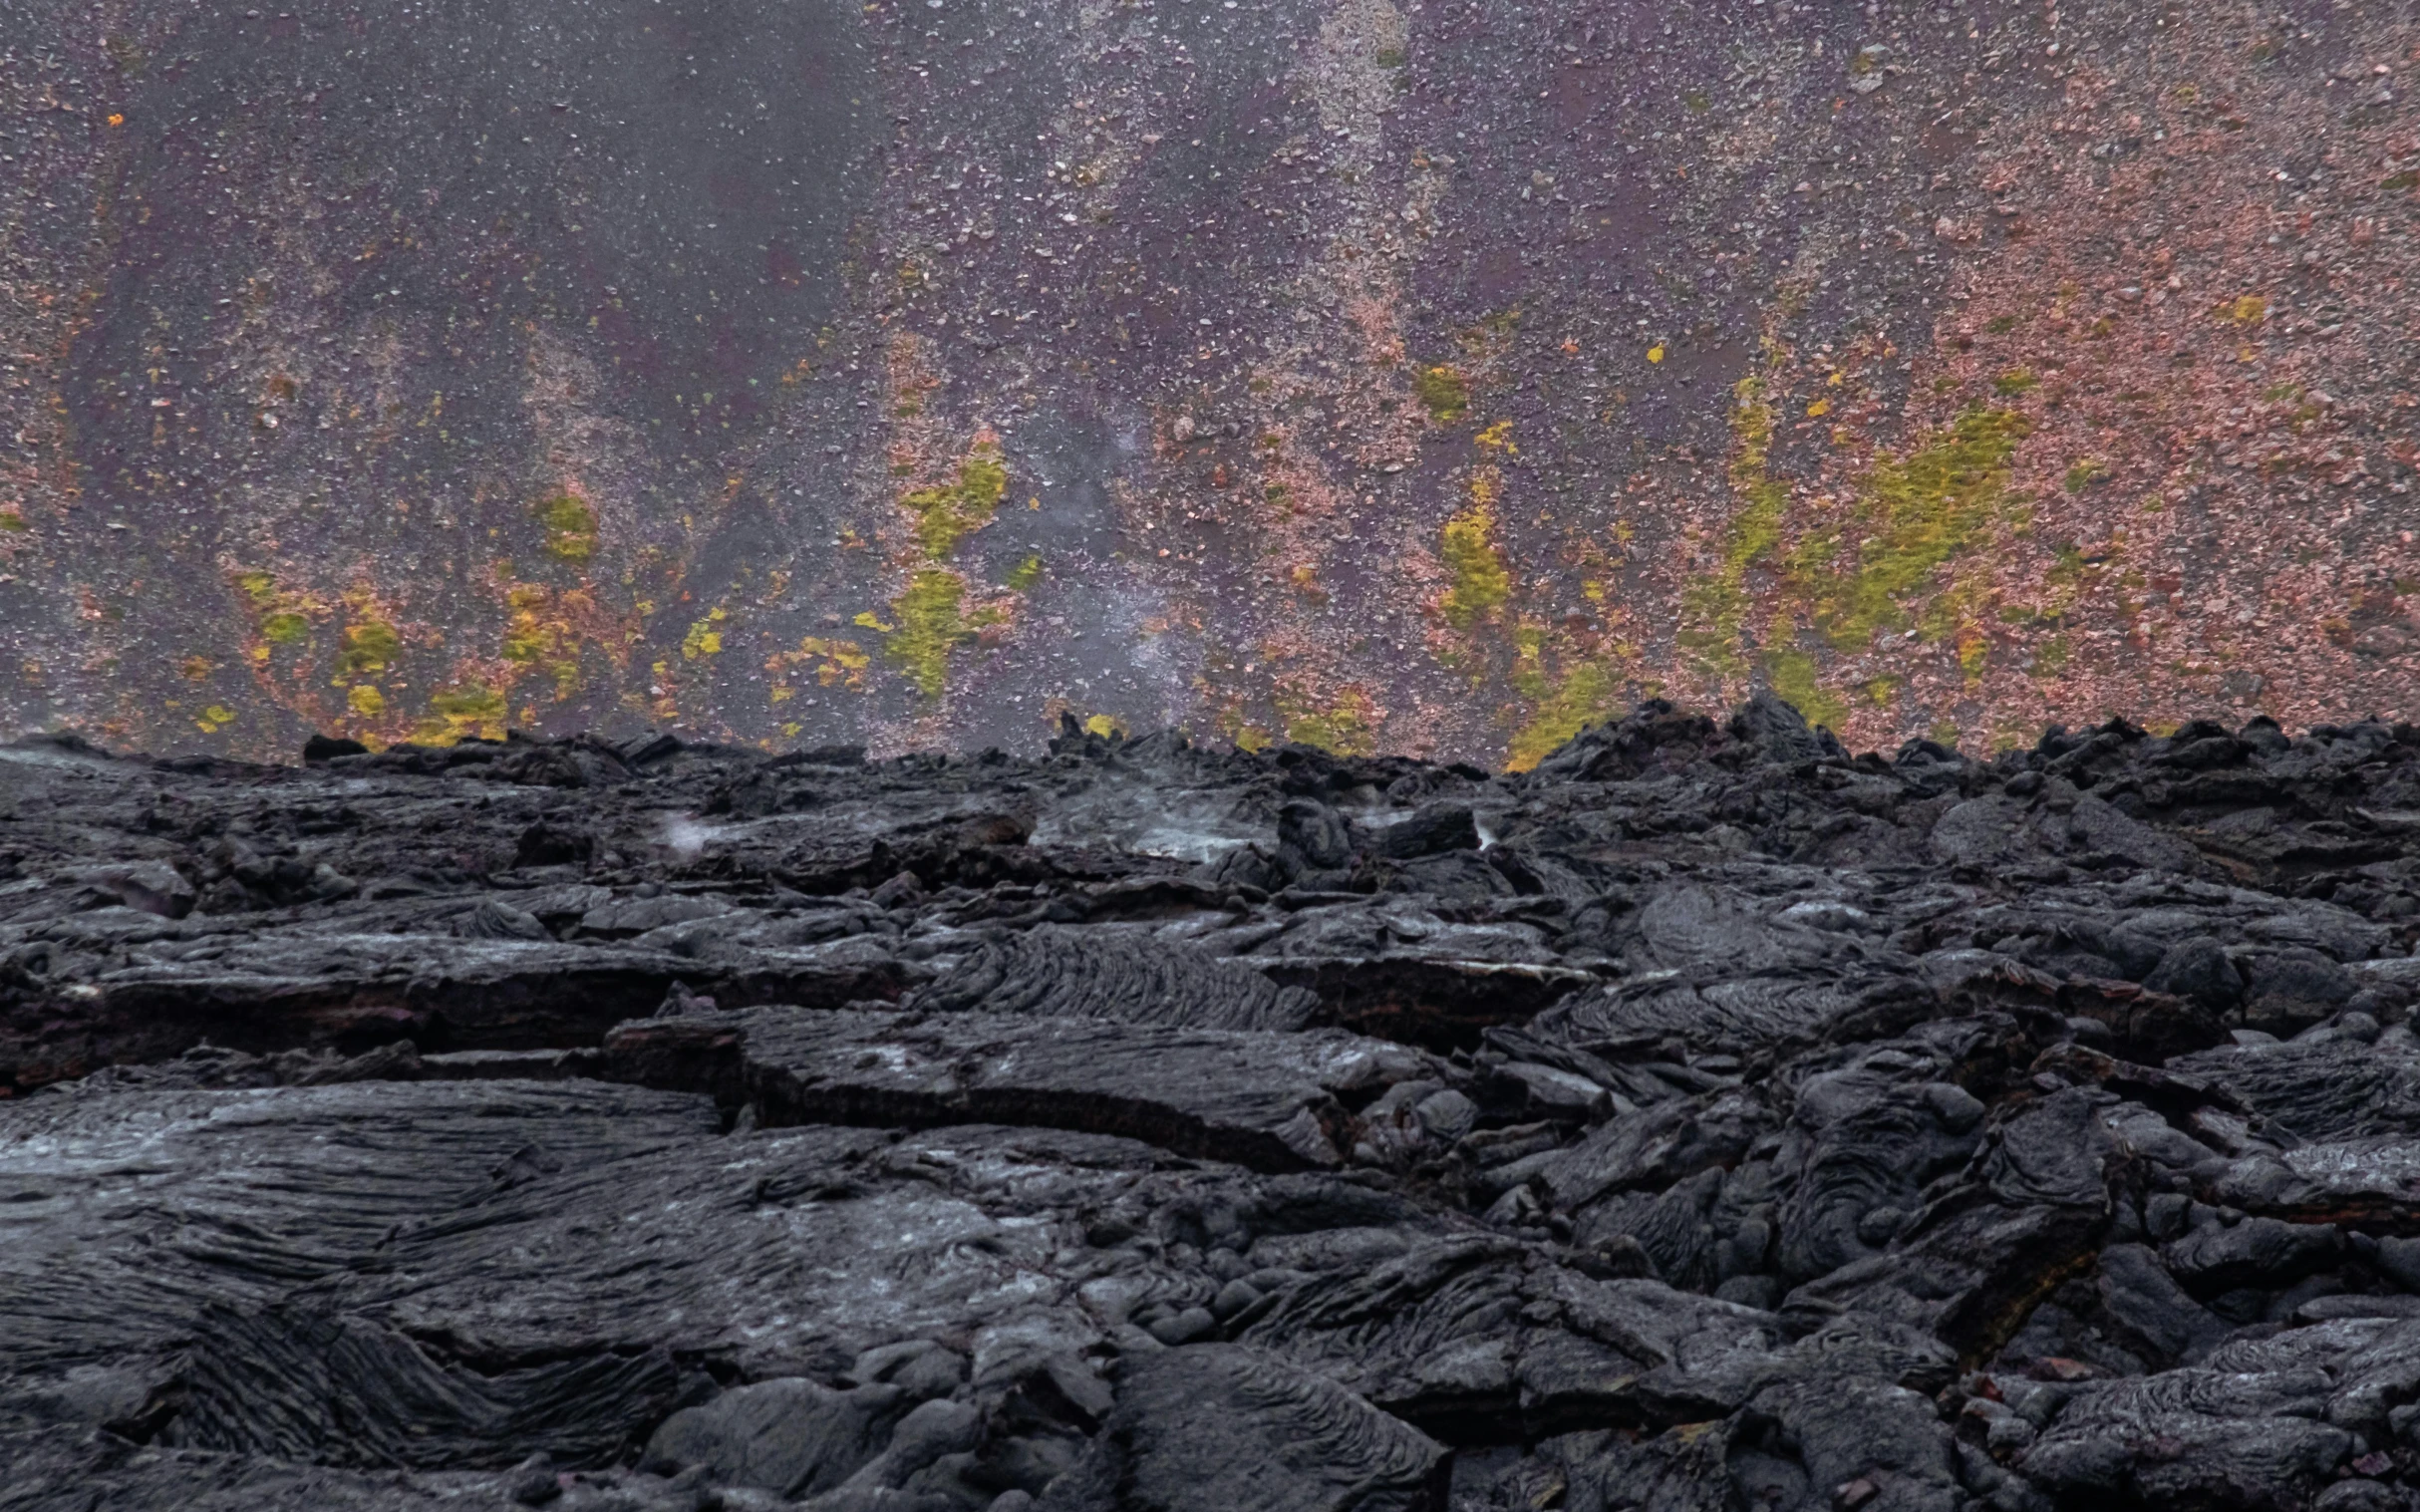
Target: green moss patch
[
  {"x": 370, "y": 646},
  {"x": 1921, "y": 511},
  {"x": 571, "y": 527},
  {"x": 1794, "y": 676},
  {"x": 1444, "y": 391},
  {"x": 463, "y": 709}
]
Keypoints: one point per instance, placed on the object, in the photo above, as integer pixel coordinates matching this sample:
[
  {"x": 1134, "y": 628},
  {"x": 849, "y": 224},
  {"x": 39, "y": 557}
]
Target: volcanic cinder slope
[
  {"x": 1428, "y": 378},
  {"x": 1704, "y": 1120}
]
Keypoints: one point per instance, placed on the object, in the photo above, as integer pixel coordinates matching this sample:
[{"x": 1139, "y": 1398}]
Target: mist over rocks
[{"x": 1708, "y": 1118}]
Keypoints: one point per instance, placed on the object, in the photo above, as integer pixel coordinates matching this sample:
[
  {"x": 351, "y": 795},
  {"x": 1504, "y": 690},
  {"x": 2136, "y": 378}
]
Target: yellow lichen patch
[
  {"x": 215, "y": 718},
  {"x": 1585, "y": 695},
  {"x": 945, "y": 513},
  {"x": 539, "y": 633},
  {"x": 1974, "y": 648},
  {"x": 1498, "y": 436},
  {"x": 194, "y": 669},
  {"x": 1104, "y": 726},
  {"x": 365, "y": 700},
  {"x": 1482, "y": 581},
  {"x": 1230, "y": 719},
  {"x": 571, "y": 526},
  {"x": 932, "y": 624},
  {"x": 1027, "y": 574},
  {"x": 833, "y": 662},
  {"x": 1794, "y": 676},
  {"x": 2244, "y": 310},
  {"x": 1715, "y": 604},
  {"x": 705, "y": 636}
]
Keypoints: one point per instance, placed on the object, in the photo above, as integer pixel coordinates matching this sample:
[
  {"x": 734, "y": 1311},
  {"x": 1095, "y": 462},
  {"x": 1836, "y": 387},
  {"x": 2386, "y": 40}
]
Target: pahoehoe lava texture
[{"x": 1706, "y": 1121}]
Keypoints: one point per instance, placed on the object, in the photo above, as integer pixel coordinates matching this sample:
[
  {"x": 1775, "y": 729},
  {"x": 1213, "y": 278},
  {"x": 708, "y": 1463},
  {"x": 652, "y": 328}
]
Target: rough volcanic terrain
[
  {"x": 1704, "y": 1122},
  {"x": 1404, "y": 375}
]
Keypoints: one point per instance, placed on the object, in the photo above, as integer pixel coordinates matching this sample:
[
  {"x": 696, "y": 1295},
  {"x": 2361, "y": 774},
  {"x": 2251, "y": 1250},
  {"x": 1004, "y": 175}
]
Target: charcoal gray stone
[
  {"x": 793, "y": 1436},
  {"x": 1269, "y": 1100},
  {"x": 2198, "y": 968},
  {"x": 1221, "y": 1429},
  {"x": 1131, "y": 978},
  {"x": 2252, "y": 1252},
  {"x": 2294, "y": 987}
]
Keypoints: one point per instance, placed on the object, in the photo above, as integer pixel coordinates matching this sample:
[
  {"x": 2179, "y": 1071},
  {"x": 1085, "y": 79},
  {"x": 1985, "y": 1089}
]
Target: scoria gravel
[{"x": 1707, "y": 1121}]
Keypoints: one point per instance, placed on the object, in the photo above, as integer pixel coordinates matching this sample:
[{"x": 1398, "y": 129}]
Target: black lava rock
[{"x": 1704, "y": 1120}]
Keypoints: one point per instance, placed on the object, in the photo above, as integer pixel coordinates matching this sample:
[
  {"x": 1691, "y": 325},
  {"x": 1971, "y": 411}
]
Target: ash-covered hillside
[
  {"x": 1706, "y": 1120},
  {"x": 1402, "y": 376}
]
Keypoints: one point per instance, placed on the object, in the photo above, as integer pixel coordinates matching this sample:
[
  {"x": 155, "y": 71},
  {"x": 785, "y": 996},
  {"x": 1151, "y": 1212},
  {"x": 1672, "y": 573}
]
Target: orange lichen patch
[
  {"x": 1374, "y": 319},
  {"x": 1378, "y": 419},
  {"x": 833, "y": 662},
  {"x": 2191, "y": 364}
]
